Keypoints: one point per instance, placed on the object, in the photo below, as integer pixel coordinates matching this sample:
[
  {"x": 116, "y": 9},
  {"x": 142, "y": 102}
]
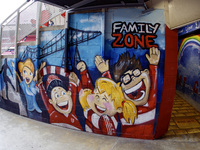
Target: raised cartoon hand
[
  {"x": 40, "y": 78},
  {"x": 52, "y": 102},
  {"x": 81, "y": 66},
  {"x": 154, "y": 56},
  {"x": 73, "y": 78},
  {"x": 43, "y": 64},
  {"x": 13, "y": 65},
  {"x": 101, "y": 64}
]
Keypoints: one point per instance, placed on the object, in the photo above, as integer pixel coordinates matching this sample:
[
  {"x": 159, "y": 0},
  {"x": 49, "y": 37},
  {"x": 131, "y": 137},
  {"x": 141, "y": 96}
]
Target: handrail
[
  {"x": 14, "y": 12},
  {"x": 9, "y": 20}
]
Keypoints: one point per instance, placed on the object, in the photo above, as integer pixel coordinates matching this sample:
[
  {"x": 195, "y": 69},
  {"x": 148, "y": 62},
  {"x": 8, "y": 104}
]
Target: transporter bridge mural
[
  {"x": 57, "y": 44},
  {"x": 77, "y": 37},
  {"x": 54, "y": 45}
]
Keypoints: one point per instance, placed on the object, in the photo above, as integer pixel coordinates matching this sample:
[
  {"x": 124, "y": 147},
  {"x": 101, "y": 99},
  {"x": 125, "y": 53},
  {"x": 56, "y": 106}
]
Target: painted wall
[
  {"x": 106, "y": 76},
  {"x": 188, "y": 63}
]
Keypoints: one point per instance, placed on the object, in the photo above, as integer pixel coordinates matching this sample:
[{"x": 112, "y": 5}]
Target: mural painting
[
  {"x": 106, "y": 77},
  {"x": 188, "y": 71}
]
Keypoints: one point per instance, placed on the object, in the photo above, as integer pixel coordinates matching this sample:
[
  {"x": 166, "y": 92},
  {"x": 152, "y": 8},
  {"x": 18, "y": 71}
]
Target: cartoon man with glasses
[{"x": 138, "y": 85}]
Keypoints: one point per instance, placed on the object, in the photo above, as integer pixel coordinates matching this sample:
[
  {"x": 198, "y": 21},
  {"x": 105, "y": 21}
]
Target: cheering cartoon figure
[
  {"x": 28, "y": 85},
  {"x": 60, "y": 96},
  {"x": 139, "y": 86},
  {"x": 103, "y": 107}
]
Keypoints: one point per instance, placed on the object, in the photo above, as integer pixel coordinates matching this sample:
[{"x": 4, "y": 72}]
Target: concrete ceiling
[
  {"x": 77, "y": 4},
  {"x": 178, "y": 13}
]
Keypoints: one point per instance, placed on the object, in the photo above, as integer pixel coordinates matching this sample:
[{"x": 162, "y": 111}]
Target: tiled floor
[{"x": 185, "y": 119}]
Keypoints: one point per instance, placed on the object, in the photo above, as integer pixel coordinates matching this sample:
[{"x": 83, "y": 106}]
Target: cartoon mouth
[
  {"x": 63, "y": 105},
  {"x": 137, "y": 92},
  {"x": 100, "y": 109},
  {"x": 27, "y": 80}
]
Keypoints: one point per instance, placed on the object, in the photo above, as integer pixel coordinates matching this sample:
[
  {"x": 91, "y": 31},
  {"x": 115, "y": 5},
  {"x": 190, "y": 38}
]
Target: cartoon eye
[
  {"x": 97, "y": 97},
  {"x": 126, "y": 78},
  {"x": 104, "y": 99},
  {"x": 63, "y": 93},
  {"x": 31, "y": 74},
  {"x": 136, "y": 72},
  {"x": 25, "y": 72},
  {"x": 56, "y": 95}
]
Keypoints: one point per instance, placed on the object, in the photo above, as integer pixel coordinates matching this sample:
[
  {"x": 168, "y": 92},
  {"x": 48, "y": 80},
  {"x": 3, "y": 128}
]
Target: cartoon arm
[
  {"x": 153, "y": 59},
  {"x": 38, "y": 70},
  {"x": 85, "y": 77},
  {"x": 44, "y": 95},
  {"x": 73, "y": 78},
  {"x": 13, "y": 65},
  {"x": 73, "y": 83},
  {"x": 103, "y": 66}
]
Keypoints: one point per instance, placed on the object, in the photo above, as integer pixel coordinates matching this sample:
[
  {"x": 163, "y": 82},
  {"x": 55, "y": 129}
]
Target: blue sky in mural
[
  {"x": 88, "y": 22},
  {"x": 188, "y": 64},
  {"x": 98, "y": 21},
  {"x": 53, "y": 38},
  {"x": 189, "y": 68},
  {"x": 137, "y": 15},
  {"x": 94, "y": 22}
]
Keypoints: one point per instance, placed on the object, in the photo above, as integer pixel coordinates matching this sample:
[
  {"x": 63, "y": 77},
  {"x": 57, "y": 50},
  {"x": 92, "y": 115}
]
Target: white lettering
[{"x": 116, "y": 26}]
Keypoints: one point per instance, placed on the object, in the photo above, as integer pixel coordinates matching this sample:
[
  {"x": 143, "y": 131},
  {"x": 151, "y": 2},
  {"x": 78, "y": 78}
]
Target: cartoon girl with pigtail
[{"x": 104, "y": 106}]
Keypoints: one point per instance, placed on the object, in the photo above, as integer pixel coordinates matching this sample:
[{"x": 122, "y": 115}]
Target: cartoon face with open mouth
[
  {"x": 61, "y": 100},
  {"x": 101, "y": 103},
  {"x": 136, "y": 86},
  {"x": 27, "y": 75}
]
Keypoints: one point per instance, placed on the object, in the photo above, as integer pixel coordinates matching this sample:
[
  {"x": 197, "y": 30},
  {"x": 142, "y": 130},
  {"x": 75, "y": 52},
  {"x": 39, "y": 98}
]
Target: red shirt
[{"x": 70, "y": 120}]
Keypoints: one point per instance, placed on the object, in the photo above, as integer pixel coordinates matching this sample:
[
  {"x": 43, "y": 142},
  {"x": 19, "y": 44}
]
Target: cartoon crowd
[{"x": 122, "y": 102}]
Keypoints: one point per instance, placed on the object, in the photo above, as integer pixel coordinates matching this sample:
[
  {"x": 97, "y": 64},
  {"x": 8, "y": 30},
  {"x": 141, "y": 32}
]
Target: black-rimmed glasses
[{"x": 127, "y": 78}]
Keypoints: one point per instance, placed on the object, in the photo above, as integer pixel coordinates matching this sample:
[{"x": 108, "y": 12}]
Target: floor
[
  {"x": 20, "y": 133},
  {"x": 185, "y": 119}
]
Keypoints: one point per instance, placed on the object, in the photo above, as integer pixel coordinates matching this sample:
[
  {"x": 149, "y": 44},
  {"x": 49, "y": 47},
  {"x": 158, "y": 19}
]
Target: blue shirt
[{"x": 30, "y": 93}]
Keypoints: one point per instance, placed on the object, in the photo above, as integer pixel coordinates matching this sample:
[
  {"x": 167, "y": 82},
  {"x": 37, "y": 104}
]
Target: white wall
[{"x": 178, "y": 13}]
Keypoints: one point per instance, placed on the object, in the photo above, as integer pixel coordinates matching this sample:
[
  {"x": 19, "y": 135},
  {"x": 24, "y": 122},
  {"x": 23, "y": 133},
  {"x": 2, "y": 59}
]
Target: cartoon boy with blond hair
[{"x": 28, "y": 84}]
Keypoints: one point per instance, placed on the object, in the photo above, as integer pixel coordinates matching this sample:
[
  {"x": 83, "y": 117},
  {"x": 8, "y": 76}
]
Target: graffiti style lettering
[
  {"x": 130, "y": 40},
  {"x": 117, "y": 43},
  {"x": 141, "y": 28},
  {"x": 132, "y": 35},
  {"x": 149, "y": 41}
]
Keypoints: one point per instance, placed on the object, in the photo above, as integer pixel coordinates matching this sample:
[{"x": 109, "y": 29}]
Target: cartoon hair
[
  {"x": 83, "y": 98},
  {"x": 52, "y": 82},
  {"x": 114, "y": 90},
  {"x": 125, "y": 63},
  {"x": 27, "y": 63}
]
